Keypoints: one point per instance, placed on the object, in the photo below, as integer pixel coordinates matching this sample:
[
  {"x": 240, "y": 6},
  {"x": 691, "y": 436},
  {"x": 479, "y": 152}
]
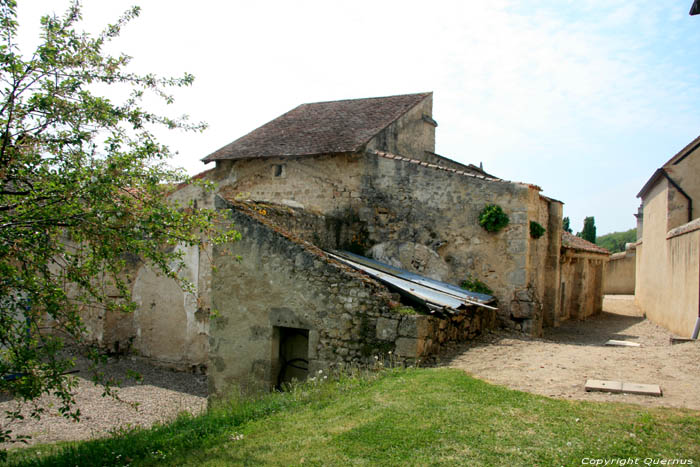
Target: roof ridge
[{"x": 366, "y": 98}]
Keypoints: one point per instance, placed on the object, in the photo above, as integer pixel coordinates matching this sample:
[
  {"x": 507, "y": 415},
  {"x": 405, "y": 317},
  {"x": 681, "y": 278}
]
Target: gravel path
[
  {"x": 559, "y": 364},
  {"x": 161, "y": 396}
]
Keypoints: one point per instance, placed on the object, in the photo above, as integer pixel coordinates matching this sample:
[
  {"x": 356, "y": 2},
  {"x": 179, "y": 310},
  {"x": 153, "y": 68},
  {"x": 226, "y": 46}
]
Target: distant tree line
[{"x": 615, "y": 241}]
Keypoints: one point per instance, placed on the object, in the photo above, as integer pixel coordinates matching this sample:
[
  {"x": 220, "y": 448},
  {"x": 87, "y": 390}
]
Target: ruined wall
[
  {"x": 412, "y": 135},
  {"x": 280, "y": 283},
  {"x": 399, "y": 205},
  {"x": 169, "y": 325},
  {"x": 620, "y": 273},
  {"x": 409, "y": 203},
  {"x": 581, "y": 286}
]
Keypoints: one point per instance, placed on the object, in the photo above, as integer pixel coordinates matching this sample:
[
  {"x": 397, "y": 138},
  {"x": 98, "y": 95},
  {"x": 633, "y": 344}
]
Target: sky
[{"x": 584, "y": 98}]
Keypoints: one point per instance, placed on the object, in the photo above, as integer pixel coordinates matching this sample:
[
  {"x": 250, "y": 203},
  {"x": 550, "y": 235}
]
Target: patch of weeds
[
  {"x": 405, "y": 310},
  {"x": 473, "y": 284}
]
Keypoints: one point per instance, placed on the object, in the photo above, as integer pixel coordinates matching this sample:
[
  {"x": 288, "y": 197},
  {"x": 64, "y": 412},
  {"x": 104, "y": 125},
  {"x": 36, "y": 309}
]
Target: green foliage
[
  {"x": 405, "y": 310},
  {"x": 565, "y": 225},
  {"x": 392, "y": 417},
  {"x": 588, "y": 232},
  {"x": 615, "y": 242},
  {"x": 492, "y": 218},
  {"x": 475, "y": 285},
  {"x": 536, "y": 230},
  {"x": 83, "y": 187}
]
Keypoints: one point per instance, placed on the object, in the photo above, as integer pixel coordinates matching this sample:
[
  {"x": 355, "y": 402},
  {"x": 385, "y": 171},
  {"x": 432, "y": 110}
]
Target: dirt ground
[
  {"x": 559, "y": 364},
  {"x": 556, "y": 365},
  {"x": 161, "y": 396}
]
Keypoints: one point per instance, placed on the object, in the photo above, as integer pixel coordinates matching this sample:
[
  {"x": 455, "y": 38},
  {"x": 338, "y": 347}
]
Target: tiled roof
[
  {"x": 577, "y": 243},
  {"x": 320, "y": 128}
]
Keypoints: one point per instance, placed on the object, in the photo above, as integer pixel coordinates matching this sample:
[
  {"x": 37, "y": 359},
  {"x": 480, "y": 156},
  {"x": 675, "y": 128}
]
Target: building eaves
[{"x": 334, "y": 127}]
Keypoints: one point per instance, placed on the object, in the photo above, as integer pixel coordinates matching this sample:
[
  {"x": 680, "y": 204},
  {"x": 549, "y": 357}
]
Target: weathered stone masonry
[{"x": 281, "y": 282}]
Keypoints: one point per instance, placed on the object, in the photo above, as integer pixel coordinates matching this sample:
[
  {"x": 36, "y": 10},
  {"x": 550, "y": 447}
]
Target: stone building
[
  {"x": 581, "y": 284},
  {"x": 360, "y": 176},
  {"x": 668, "y": 228}
]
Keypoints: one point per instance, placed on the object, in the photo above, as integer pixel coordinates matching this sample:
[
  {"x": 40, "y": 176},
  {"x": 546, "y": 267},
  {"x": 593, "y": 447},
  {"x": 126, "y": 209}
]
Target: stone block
[
  {"x": 419, "y": 326},
  {"x": 517, "y": 246},
  {"x": 522, "y": 309},
  {"x": 517, "y": 277},
  {"x": 518, "y": 217},
  {"x": 387, "y": 329},
  {"x": 523, "y": 295},
  {"x": 407, "y": 347}
]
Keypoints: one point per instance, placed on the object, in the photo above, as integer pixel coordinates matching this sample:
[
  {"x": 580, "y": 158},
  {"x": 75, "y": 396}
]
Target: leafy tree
[
  {"x": 83, "y": 196},
  {"x": 588, "y": 232},
  {"x": 565, "y": 225},
  {"x": 615, "y": 242}
]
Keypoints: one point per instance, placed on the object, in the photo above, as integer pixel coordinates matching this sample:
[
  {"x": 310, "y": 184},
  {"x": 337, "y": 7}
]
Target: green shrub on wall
[
  {"x": 536, "y": 230},
  {"x": 492, "y": 218}
]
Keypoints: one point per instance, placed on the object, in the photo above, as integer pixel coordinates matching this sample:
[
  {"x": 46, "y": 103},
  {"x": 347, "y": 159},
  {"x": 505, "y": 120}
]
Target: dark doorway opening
[{"x": 292, "y": 354}]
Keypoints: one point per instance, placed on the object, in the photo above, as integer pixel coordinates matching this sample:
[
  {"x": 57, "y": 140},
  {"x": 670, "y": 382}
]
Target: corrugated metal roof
[{"x": 434, "y": 294}]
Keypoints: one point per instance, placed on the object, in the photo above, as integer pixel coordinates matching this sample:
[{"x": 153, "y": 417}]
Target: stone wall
[
  {"x": 619, "y": 276},
  {"x": 398, "y": 203},
  {"x": 667, "y": 290},
  {"x": 169, "y": 325},
  {"x": 281, "y": 283},
  {"x": 581, "y": 284}
]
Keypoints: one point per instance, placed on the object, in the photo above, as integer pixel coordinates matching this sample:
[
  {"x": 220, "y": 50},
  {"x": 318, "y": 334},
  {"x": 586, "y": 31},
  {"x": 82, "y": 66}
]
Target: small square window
[{"x": 278, "y": 170}]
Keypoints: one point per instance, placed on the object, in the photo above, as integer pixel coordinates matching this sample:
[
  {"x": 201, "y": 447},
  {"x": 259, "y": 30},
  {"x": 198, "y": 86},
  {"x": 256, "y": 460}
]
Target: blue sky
[{"x": 583, "y": 98}]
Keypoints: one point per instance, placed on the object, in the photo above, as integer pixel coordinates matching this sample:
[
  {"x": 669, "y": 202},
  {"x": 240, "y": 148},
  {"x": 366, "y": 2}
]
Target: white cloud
[{"x": 539, "y": 91}]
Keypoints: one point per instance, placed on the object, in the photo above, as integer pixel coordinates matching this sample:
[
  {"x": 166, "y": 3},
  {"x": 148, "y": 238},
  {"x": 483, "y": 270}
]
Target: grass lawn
[{"x": 399, "y": 417}]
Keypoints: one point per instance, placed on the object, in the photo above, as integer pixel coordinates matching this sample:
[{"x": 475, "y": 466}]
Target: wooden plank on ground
[
  {"x": 603, "y": 385},
  {"x": 620, "y": 387},
  {"x": 642, "y": 389},
  {"x": 615, "y": 343}
]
